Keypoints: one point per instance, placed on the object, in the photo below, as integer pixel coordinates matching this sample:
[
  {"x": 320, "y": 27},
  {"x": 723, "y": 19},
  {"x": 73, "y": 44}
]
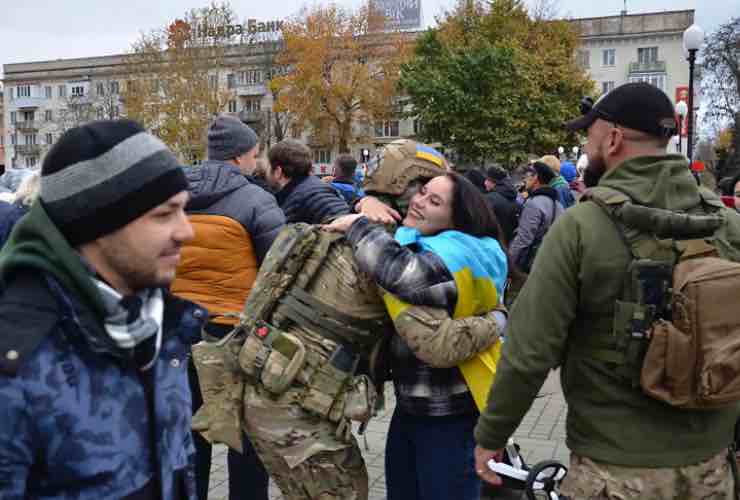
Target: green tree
[{"x": 492, "y": 82}]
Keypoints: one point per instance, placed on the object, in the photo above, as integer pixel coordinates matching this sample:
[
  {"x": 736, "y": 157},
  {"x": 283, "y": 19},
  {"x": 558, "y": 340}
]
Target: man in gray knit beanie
[{"x": 231, "y": 141}]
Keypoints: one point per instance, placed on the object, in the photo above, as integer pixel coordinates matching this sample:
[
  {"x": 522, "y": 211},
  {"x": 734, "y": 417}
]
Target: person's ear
[{"x": 616, "y": 141}]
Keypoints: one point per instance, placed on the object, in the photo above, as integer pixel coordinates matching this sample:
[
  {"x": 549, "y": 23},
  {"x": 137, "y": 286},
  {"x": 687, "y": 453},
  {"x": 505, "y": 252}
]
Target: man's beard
[{"x": 594, "y": 172}]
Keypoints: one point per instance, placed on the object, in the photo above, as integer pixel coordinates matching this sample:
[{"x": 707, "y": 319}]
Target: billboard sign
[{"x": 399, "y": 14}]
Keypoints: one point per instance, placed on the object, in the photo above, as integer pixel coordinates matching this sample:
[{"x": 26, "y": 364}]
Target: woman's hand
[
  {"x": 377, "y": 211},
  {"x": 343, "y": 223}
]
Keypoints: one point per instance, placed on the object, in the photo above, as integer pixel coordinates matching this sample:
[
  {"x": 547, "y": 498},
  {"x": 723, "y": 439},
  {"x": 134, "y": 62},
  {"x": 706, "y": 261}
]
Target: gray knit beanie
[{"x": 229, "y": 138}]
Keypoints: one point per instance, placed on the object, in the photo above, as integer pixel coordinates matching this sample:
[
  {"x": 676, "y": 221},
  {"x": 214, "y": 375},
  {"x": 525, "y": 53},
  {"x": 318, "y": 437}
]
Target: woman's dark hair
[
  {"x": 477, "y": 178},
  {"x": 471, "y": 212}
]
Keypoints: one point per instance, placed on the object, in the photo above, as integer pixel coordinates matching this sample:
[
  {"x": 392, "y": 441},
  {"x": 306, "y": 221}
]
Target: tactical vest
[
  {"x": 676, "y": 326},
  {"x": 312, "y": 322}
]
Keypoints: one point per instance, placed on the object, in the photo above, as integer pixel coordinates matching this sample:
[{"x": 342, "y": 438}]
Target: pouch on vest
[
  {"x": 685, "y": 323},
  {"x": 219, "y": 419},
  {"x": 325, "y": 391},
  {"x": 272, "y": 357}
]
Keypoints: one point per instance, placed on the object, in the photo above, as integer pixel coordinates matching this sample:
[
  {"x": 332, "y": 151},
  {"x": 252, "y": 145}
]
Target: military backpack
[{"x": 676, "y": 330}]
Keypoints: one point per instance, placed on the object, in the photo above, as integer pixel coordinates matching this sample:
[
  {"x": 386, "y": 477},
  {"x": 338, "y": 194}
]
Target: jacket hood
[
  {"x": 548, "y": 191},
  {"x": 505, "y": 188},
  {"x": 558, "y": 181},
  {"x": 656, "y": 181},
  {"x": 36, "y": 243},
  {"x": 212, "y": 181}
]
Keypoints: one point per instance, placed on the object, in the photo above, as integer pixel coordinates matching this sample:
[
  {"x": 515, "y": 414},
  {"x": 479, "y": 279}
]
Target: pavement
[{"x": 541, "y": 436}]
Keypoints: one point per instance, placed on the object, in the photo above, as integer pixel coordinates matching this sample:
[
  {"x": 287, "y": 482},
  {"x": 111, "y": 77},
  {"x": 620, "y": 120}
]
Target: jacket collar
[
  {"x": 288, "y": 189},
  {"x": 548, "y": 191}
]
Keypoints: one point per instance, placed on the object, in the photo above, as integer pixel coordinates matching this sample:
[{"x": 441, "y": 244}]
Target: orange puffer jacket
[{"x": 217, "y": 267}]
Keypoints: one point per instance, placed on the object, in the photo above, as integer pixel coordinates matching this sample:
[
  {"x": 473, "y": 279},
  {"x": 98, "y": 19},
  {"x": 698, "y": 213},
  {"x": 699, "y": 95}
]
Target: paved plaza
[{"x": 541, "y": 436}]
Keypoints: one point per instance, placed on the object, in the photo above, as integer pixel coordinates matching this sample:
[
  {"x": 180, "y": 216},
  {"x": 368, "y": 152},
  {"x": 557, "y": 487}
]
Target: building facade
[
  {"x": 43, "y": 99},
  {"x": 637, "y": 48}
]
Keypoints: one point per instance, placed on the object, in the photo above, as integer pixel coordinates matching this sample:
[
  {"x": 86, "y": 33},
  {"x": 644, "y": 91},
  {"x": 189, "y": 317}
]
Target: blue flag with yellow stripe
[{"x": 479, "y": 267}]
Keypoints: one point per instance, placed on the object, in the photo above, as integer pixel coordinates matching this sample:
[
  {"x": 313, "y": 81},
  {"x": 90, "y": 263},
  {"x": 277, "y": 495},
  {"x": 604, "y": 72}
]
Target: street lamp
[
  {"x": 561, "y": 150},
  {"x": 681, "y": 109},
  {"x": 575, "y": 152},
  {"x": 692, "y": 40}
]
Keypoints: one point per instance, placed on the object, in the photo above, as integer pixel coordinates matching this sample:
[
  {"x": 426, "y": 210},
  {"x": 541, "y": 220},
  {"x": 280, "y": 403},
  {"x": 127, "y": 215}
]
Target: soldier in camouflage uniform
[{"x": 311, "y": 303}]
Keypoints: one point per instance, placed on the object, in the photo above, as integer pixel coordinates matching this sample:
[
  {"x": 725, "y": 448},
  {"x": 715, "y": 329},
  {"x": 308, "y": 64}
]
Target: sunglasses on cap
[{"x": 587, "y": 106}]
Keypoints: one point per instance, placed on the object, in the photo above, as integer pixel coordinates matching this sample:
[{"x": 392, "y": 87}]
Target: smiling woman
[{"x": 446, "y": 255}]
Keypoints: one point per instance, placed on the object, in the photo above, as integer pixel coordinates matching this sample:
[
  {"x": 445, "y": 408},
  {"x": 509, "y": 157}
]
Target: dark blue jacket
[
  {"x": 9, "y": 215},
  {"x": 309, "y": 199},
  {"x": 348, "y": 190},
  {"x": 79, "y": 419}
]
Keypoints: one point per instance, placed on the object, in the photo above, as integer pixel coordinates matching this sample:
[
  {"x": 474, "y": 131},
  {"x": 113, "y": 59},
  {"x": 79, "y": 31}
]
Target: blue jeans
[{"x": 431, "y": 458}]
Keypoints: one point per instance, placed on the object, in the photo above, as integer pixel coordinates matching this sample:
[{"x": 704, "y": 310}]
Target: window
[
  {"x": 28, "y": 116},
  {"x": 47, "y": 91},
  {"x": 232, "y": 106},
  {"x": 23, "y": 91},
  {"x": 62, "y": 90},
  {"x": 608, "y": 57},
  {"x": 606, "y": 87},
  {"x": 100, "y": 88},
  {"x": 114, "y": 87},
  {"x": 657, "y": 80},
  {"x": 48, "y": 115},
  {"x": 250, "y": 77},
  {"x": 31, "y": 161},
  {"x": 388, "y": 128},
  {"x": 322, "y": 156},
  {"x": 29, "y": 139},
  {"x": 417, "y": 126},
  {"x": 100, "y": 114},
  {"x": 13, "y": 117},
  {"x": 78, "y": 91},
  {"x": 213, "y": 81},
  {"x": 115, "y": 113},
  {"x": 230, "y": 81},
  {"x": 14, "y": 139},
  {"x": 49, "y": 138},
  {"x": 647, "y": 55},
  {"x": 583, "y": 59},
  {"x": 252, "y": 105}
]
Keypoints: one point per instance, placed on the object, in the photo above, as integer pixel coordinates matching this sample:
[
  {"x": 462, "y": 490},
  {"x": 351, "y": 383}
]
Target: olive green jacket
[{"x": 570, "y": 294}]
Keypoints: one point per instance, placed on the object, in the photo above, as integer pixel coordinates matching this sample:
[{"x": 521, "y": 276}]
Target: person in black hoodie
[
  {"x": 302, "y": 196},
  {"x": 502, "y": 197}
]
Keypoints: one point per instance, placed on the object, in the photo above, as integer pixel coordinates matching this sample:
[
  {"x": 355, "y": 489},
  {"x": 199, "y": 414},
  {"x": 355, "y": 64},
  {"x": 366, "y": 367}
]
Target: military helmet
[{"x": 401, "y": 162}]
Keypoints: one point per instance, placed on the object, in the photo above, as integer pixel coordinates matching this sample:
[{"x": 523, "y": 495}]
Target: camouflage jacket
[{"x": 80, "y": 423}]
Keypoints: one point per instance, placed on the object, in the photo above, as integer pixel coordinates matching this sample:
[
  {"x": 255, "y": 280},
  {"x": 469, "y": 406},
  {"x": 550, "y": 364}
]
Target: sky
[{"x": 40, "y": 30}]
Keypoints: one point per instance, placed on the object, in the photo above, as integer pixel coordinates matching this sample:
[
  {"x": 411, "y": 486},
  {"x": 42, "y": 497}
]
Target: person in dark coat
[
  {"x": 502, "y": 197},
  {"x": 302, "y": 196}
]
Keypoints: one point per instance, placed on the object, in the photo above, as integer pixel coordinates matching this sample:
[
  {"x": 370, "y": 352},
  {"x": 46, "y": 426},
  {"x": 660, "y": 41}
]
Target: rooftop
[{"x": 674, "y": 21}]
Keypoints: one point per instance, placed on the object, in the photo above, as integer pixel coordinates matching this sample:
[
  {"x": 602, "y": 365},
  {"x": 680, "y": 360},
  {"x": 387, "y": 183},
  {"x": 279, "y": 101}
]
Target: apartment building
[{"x": 42, "y": 99}]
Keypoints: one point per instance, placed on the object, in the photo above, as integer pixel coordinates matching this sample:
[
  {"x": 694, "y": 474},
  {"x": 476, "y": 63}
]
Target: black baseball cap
[{"x": 639, "y": 106}]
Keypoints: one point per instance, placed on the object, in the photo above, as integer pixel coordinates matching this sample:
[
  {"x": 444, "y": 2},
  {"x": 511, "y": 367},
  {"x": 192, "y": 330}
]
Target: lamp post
[
  {"x": 681, "y": 109},
  {"x": 561, "y": 150},
  {"x": 575, "y": 152},
  {"x": 692, "y": 40}
]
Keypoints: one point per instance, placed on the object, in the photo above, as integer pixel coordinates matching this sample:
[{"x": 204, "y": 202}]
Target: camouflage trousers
[
  {"x": 590, "y": 480},
  {"x": 308, "y": 457}
]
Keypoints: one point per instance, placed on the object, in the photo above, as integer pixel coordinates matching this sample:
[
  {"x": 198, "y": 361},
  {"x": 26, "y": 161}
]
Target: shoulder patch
[{"x": 28, "y": 313}]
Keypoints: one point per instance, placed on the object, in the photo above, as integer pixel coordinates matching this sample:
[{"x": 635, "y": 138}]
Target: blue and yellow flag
[{"x": 479, "y": 267}]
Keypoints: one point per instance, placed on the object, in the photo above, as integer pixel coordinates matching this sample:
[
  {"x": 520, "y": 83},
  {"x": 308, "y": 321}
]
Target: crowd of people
[{"x": 150, "y": 309}]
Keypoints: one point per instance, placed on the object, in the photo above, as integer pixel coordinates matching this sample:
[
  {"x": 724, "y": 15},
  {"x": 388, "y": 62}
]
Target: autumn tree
[
  {"x": 720, "y": 84},
  {"x": 174, "y": 87},
  {"x": 494, "y": 82},
  {"x": 342, "y": 72}
]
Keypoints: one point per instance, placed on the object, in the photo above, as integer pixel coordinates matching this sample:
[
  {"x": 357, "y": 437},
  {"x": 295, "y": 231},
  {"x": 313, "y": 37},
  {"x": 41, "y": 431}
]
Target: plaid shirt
[{"x": 419, "y": 278}]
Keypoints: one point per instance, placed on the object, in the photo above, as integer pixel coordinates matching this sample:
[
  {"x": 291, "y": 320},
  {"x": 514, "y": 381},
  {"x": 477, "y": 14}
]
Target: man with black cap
[
  {"x": 93, "y": 348},
  {"x": 571, "y": 314},
  {"x": 539, "y": 213},
  {"x": 235, "y": 223}
]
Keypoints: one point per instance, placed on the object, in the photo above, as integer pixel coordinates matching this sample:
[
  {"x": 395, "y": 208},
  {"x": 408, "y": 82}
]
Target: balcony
[
  {"x": 28, "y": 102},
  {"x": 27, "y": 126},
  {"x": 28, "y": 149},
  {"x": 647, "y": 67},
  {"x": 250, "y": 116},
  {"x": 253, "y": 89}
]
